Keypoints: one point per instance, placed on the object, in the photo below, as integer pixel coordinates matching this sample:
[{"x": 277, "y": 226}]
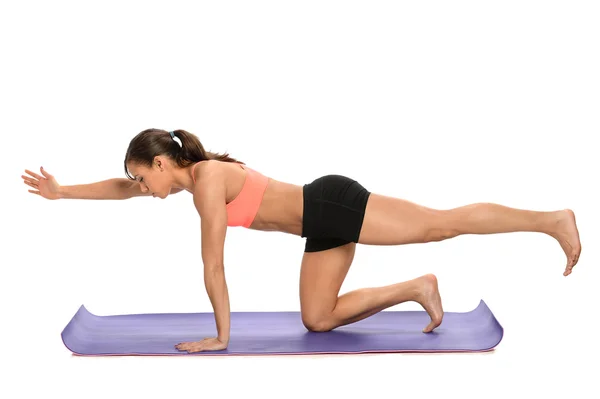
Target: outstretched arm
[
  {"x": 110, "y": 189},
  {"x": 210, "y": 201},
  {"x": 46, "y": 186}
]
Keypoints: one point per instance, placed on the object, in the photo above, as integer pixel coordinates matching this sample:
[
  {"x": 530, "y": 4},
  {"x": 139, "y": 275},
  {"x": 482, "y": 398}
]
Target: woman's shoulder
[
  {"x": 216, "y": 169},
  {"x": 215, "y": 165}
]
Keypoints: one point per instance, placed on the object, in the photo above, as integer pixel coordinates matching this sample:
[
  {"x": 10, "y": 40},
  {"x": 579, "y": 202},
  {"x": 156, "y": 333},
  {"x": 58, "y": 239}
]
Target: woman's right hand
[{"x": 45, "y": 186}]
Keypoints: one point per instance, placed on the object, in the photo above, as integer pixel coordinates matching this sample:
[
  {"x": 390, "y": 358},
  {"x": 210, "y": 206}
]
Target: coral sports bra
[{"x": 243, "y": 209}]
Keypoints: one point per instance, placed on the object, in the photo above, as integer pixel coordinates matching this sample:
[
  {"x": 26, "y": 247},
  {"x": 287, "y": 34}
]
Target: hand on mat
[
  {"x": 45, "y": 185},
  {"x": 207, "y": 344}
]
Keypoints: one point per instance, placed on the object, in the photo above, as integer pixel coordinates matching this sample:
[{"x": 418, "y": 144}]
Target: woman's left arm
[{"x": 210, "y": 201}]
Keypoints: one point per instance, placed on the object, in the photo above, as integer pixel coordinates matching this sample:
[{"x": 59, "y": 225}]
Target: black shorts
[{"x": 334, "y": 209}]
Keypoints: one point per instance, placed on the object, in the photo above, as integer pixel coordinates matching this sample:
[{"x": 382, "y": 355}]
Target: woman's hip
[{"x": 334, "y": 207}]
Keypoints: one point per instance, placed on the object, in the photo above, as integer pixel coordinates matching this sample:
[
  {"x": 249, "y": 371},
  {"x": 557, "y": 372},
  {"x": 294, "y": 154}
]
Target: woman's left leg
[
  {"x": 394, "y": 221},
  {"x": 322, "y": 275}
]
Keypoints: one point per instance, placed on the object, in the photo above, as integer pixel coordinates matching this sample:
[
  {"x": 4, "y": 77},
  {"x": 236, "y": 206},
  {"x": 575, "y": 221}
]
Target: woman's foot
[
  {"x": 563, "y": 228},
  {"x": 429, "y": 297}
]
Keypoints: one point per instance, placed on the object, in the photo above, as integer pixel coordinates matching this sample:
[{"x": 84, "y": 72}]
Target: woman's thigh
[
  {"x": 321, "y": 276},
  {"x": 395, "y": 221}
]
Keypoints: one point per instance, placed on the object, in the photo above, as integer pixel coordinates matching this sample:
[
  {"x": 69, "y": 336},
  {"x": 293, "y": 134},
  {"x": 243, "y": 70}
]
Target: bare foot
[
  {"x": 564, "y": 229},
  {"x": 429, "y": 298}
]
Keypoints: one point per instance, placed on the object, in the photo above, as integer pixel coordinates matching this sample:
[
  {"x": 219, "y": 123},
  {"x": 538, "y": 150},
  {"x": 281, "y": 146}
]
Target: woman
[{"x": 333, "y": 212}]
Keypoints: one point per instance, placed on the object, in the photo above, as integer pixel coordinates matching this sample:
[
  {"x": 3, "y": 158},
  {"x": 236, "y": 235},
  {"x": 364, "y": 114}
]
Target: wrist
[
  {"x": 224, "y": 340},
  {"x": 61, "y": 192}
]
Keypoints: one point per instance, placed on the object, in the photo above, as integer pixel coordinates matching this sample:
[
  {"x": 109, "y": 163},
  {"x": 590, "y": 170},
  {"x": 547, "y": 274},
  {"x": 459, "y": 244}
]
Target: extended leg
[{"x": 394, "y": 221}]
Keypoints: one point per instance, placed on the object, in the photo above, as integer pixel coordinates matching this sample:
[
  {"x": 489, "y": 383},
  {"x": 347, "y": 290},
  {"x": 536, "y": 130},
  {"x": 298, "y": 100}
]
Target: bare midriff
[{"x": 281, "y": 208}]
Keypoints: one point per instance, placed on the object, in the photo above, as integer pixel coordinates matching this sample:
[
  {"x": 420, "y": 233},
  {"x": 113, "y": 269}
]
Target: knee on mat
[{"x": 317, "y": 324}]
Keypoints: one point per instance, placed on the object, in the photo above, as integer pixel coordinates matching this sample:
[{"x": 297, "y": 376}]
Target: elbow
[
  {"x": 125, "y": 189},
  {"x": 214, "y": 271}
]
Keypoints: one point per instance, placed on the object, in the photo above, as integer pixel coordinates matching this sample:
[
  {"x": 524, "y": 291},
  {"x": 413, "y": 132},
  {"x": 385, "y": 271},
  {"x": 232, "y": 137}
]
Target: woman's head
[{"x": 154, "y": 151}]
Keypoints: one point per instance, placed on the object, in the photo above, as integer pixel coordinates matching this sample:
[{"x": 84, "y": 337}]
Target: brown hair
[{"x": 152, "y": 142}]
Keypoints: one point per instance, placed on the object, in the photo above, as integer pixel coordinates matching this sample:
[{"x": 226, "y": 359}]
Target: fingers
[
  {"x": 182, "y": 346},
  {"x": 190, "y": 347},
  {"x": 33, "y": 174},
  {"x": 31, "y": 185},
  {"x": 46, "y": 174},
  {"x": 29, "y": 180}
]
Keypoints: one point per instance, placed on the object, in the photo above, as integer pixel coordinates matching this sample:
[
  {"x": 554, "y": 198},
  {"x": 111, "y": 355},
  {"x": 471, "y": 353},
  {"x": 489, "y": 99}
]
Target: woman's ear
[{"x": 158, "y": 161}]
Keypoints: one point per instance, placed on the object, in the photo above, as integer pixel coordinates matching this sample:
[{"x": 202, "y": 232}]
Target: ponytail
[{"x": 193, "y": 151}]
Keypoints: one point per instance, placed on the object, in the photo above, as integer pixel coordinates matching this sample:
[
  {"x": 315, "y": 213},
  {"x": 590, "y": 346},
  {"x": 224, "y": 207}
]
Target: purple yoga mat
[{"x": 276, "y": 333}]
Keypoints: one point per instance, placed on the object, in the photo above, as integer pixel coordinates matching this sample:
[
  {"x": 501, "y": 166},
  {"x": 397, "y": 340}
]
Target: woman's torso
[{"x": 281, "y": 206}]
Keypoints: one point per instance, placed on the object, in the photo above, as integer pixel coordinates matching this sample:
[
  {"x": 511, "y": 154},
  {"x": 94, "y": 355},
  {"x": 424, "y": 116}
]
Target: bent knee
[{"x": 317, "y": 323}]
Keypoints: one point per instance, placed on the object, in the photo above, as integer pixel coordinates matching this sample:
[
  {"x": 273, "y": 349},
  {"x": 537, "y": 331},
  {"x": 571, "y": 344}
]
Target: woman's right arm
[{"x": 115, "y": 189}]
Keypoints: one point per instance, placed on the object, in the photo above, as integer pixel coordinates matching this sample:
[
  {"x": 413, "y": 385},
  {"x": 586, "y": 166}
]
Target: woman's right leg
[{"x": 394, "y": 221}]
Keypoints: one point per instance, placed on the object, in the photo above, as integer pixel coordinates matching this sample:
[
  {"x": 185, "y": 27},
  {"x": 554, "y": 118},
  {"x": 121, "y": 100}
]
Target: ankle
[
  {"x": 418, "y": 289},
  {"x": 549, "y": 223}
]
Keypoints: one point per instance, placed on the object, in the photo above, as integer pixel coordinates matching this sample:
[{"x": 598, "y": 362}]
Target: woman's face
[{"x": 154, "y": 180}]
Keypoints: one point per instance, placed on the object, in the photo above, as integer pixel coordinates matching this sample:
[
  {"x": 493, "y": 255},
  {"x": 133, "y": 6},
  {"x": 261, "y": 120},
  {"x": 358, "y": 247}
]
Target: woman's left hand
[{"x": 207, "y": 344}]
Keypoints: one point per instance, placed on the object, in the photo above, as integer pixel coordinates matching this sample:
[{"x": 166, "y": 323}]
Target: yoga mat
[{"x": 277, "y": 333}]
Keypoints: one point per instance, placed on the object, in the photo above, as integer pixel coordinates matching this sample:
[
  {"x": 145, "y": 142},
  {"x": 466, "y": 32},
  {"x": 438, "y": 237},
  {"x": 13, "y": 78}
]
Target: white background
[{"x": 441, "y": 103}]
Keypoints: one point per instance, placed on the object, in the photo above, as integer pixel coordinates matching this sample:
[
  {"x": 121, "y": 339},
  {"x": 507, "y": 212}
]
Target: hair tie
[{"x": 172, "y": 135}]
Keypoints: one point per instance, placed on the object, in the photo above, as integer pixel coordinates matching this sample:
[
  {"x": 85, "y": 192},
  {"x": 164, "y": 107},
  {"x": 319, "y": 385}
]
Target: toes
[{"x": 432, "y": 326}]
